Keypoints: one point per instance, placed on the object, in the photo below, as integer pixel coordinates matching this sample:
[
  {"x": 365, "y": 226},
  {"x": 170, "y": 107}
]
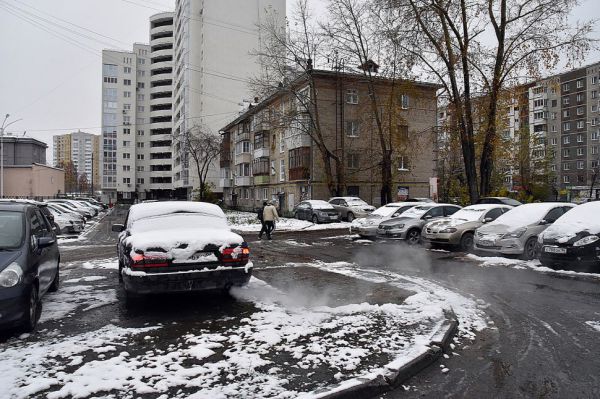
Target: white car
[
  {"x": 367, "y": 226},
  {"x": 67, "y": 223}
]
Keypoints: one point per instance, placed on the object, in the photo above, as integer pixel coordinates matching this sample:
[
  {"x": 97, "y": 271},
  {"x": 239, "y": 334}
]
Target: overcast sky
[{"x": 51, "y": 77}]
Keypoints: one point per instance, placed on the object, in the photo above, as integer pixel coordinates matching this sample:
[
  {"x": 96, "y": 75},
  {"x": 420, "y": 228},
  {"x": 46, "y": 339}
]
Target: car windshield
[
  {"x": 469, "y": 214},
  {"x": 11, "y": 229},
  {"x": 524, "y": 215},
  {"x": 417, "y": 211},
  {"x": 321, "y": 205},
  {"x": 356, "y": 202},
  {"x": 384, "y": 211},
  {"x": 180, "y": 220}
]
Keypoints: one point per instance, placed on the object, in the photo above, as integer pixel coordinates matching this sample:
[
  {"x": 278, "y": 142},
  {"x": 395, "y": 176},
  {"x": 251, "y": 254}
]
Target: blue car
[{"x": 29, "y": 264}]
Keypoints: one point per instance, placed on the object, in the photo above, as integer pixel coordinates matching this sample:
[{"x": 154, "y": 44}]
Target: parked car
[
  {"x": 574, "y": 239},
  {"x": 408, "y": 226},
  {"x": 29, "y": 264},
  {"x": 67, "y": 224},
  {"x": 499, "y": 201},
  {"x": 516, "y": 232},
  {"x": 367, "y": 226},
  {"x": 85, "y": 212},
  {"x": 420, "y": 199},
  {"x": 317, "y": 211},
  {"x": 178, "y": 246},
  {"x": 351, "y": 208},
  {"x": 66, "y": 211},
  {"x": 93, "y": 201},
  {"x": 459, "y": 228},
  {"x": 42, "y": 206}
]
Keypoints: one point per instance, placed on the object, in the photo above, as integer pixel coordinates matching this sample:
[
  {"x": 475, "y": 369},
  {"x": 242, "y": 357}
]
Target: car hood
[
  {"x": 398, "y": 220},
  {"x": 567, "y": 237},
  {"x": 369, "y": 220},
  {"x": 443, "y": 223},
  {"x": 365, "y": 208},
  {"x": 7, "y": 257},
  {"x": 181, "y": 243},
  {"x": 498, "y": 229}
]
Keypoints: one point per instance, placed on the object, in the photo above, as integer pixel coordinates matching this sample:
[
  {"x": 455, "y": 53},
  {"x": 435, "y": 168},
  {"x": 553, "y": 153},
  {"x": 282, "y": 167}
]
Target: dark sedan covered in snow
[
  {"x": 574, "y": 239},
  {"x": 178, "y": 247}
]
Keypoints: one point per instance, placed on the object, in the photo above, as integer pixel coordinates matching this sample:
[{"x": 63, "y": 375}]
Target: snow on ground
[
  {"x": 594, "y": 324},
  {"x": 248, "y": 222},
  {"x": 84, "y": 279},
  {"x": 69, "y": 298}
]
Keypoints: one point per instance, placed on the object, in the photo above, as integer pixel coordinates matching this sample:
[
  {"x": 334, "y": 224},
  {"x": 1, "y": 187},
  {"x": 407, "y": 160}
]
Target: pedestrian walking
[
  {"x": 259, "y": 214},
  {"x": 270, "y": 216}
]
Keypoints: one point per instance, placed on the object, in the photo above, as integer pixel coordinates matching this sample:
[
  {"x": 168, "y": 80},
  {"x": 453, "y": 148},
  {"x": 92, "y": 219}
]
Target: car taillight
[
  {"x": 142, "y": 260},
  {"x": 237, "y": 254}
]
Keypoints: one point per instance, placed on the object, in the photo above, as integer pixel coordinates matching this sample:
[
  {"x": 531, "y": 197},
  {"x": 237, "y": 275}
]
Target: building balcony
[
  {"x": 261, "y": 152},
  {"x": 161, "y": 53},
  {"x": 162, "y": 89},
  {"x": 265, "y": 179},
  {"x": 245, "y": 157},
  {"x": 161, "y": 112},
  {"x": 241, "y": 181},
  {"x": 162, "y": 64},
  {"x": 161, "y": 100},
  {"x": 161, "y": 125},
  {"x": 162, "y": 29},
  {"x": 161, "y": 40},
  {"x": 225, "y": 182},
  {"x": 300, "y": 173},
  {"x": 161, "y": 76},
  {"x": 242, "y": 137},
  {"x": 298, "y": 140},
  {"x": 261, "y": 126},
  {"x": 225, "y": 162}
]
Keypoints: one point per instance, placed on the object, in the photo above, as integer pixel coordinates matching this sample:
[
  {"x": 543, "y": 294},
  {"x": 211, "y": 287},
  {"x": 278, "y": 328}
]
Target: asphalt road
[{"x": 539, "y": 344}]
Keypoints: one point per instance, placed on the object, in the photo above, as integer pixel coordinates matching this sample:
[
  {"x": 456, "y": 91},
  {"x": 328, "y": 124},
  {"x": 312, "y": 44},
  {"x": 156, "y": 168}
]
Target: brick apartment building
[{"x": 268, "y": 155}]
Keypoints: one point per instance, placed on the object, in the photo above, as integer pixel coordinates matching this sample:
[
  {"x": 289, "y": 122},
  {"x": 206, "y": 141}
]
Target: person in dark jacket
[{"x": 260, "y": 216}]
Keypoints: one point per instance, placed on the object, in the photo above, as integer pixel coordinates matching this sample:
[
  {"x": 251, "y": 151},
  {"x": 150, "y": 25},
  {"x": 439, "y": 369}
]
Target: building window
[
  {"x": 565, "y": 179},
  {"x": 352, "y": 128},
  {"x": 580, "y": 124},
  {"x": 566, "y": 153},
  {"x": 126, "y": 94},
  {"x": 140, "y": 108},
  {"x": 594, "y": 94},
  {"x": 108, "y": 79},
  {"x": 553, "y": 141},
  {"x": 140, "y": 145},
  {"x": 579, "y": 97},
  {"x": 140, "y": 180},
  {"x": 565, "y": 101},
  {"x": 126, "y": 131},
  {"x": 141, "y": 73},
  {"x": 127, "y": 82},
  {"x": 594, "y": 150},
  {"x": 403, "y": 164},
  {"x": 282, "y": 170},
  {"x": 141, "y": 61},
  {"x": 140, "y": 85},
  {"x": 140, "y": 157},
  {"x": 567, "y": 126},
  {"x": 352, "y": 161},
  {"x": 404, "y": 101},
  {"x": 579, "y": 83},
  {"x": 352, "y": 96},
  {"x": 594, "y": 164},
  {"x": 140, "y": 97},
  {"x": 126, "y": 155},
  {"x": 554, "y": 103},
  {"x": 553, "y": 168},
  {"x": 265, "y": 193},
  {"x": 126, "y": 143},
  {"x": 566, "y": 86},
  {"x": 594, "y": 108},
  {"x": 580, "y": 164},
  {"x": 566, "y": 113},
  {"x": 580, "y": 138},
  {"x": 126, "y": 69},
  {"x": 126, "y": 168},
  {"x": 594, "y": 135},
  {"x": 552, "y": 115},
  {"x": 594, "y": 80},
  {"x": 273, "y": 170},
  {"x": 281, "y": 143},
  {"x": 140, "y": 168},
  {"x": 566, "y": 139},
  {"x": 580, "y": 151},
  {"x": 579, "y": 110}
]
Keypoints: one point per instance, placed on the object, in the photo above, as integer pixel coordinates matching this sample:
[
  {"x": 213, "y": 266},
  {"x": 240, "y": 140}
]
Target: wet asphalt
[{"x": 539, "y": 345}]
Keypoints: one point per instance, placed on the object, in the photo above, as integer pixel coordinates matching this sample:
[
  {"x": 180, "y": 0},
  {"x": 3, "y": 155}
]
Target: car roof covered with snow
[
  {"x": 152, "y": 209},
  {"x": 485, "y": 207}
]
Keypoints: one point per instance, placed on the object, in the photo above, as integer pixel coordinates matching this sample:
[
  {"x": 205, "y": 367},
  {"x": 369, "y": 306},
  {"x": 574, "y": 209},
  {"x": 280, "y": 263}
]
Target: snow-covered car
[
  {"x": 62, "y": 210},
  {"x": 29, "y": 263},
  {"x": 178, "y": 246},
  {"x": 408, "y": 226},
  {"x": 66, "y": 224},
  {"x": 459, "y": 228},
  {"x": 499, "y": 201},
  {"x": 85, "y": 212},
  {"x": 351, "y": 208},
  {"x": 367, "y": 226},
  {"x": 574, "y": 239},
  {"x": 516, "y": 232},
  {"x": 317, "y": 211}
]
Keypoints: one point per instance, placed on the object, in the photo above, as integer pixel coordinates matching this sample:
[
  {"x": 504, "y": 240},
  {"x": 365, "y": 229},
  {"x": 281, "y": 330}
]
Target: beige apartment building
[
  {"x": 269, "y": 152},
  {"x": 83, "y": 150}
]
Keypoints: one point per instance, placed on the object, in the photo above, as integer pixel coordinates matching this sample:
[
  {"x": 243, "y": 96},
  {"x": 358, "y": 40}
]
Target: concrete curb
[{"x": 394, "y": 377}]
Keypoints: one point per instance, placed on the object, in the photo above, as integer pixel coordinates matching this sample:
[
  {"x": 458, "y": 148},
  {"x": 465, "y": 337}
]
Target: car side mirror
[
  {"x": 117, "y": 228},
  {"x": 487, "y": 220},
  {"x": 44, "y": 242},
  {"x": 427, "y": 217},
  {"x": 544, "y": 222}
]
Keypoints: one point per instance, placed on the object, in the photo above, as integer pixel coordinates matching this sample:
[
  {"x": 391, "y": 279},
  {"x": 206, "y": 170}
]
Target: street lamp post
[{"x": 2, "y": 152}]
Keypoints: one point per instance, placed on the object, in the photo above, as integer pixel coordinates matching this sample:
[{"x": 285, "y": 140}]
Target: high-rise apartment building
[
  {"x": 83, "y": 150},
  {"x": 194, "y": 72}
]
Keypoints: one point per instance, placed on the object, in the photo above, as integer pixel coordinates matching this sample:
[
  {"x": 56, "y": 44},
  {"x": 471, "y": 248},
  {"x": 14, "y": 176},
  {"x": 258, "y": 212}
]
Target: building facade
[
  {"x": 34, "y": 181},
  {"x": 270, "y": 152},
  {"x": 83, "y": 150},
  {"x": 23, "y": 151}
]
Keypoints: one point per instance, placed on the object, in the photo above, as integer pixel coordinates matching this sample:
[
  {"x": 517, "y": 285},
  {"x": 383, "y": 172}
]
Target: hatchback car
[
  {"x": 29, "y": 264},
  {"x": 516, "y": 232},
  {"x": 177, "y": 246},
  {"x": 459, "y": 229},
  {"x": 367, "y": 226},
  {"x": 408, "y": 226},
  {"x": 316, "y": 211},
  {"x": 574, "y": 239},
  {"x": 351, "y": 208}
]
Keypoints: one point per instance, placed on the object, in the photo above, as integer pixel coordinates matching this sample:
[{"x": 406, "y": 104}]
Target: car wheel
[
  {"x": 413, "y": 236},
  {"x": 32, "y": 315},
  {"x": 350, "y": 217},
  {"x": 315, "y": 219},
  {"x": 467, "y": 242},
  {"x": 530, "y": 252},
  {"x": 56, "y": 281}
]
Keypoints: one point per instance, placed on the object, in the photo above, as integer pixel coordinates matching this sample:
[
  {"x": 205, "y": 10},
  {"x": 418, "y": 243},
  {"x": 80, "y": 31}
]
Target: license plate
[
  {"x": 555, "y": 250},
  {"x": 332, "y": 217},
  {"x": 486, "y": 243}
]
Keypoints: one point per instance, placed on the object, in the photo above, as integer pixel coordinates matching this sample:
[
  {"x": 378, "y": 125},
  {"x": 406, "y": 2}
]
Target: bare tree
[
  {"x": 478, "y": 47},
  {"x": 287, "y": 58},
  {"x": 204, "y": 147}
]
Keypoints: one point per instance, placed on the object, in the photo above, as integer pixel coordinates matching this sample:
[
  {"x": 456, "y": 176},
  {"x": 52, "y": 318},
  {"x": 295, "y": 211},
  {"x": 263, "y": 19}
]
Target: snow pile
[
  {"x": 489, "y": 261},
  {"x": 248, "y": 222},
  {"x": 585, "y": 217},
  {"x": 594, "y": 324}
]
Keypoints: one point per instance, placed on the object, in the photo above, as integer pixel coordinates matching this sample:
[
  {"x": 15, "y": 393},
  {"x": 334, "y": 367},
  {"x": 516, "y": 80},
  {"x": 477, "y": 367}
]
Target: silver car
[
  {"x": 351, "y": 208},
  {"x": 367, "y": 226},
  {"x": 516, "y": 232},
  {"x": 459, "y": 229},
  {"x": 409, "y": 225}
]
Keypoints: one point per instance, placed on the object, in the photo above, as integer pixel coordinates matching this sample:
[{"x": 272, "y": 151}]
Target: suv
[
  {"x": 409, "y": 225},
  {"x": 351, "y": 208},
  {"x": 29, "y": 264}
]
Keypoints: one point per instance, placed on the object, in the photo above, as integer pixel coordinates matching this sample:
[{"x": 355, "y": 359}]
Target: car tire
[
  {"x": 56, "y": 281},
  {"x": 529, "y": 251},
  {"x": 31, "y": 317},
  {"x": 315, "y": 219},
  {"x": 350, "y": 217},
  {"x": 467, "y": 242},
  {"x": 413, "y": 236}
]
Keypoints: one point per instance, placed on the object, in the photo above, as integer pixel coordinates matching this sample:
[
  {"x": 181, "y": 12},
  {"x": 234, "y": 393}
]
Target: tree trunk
[{"x": 386, "y": 178}]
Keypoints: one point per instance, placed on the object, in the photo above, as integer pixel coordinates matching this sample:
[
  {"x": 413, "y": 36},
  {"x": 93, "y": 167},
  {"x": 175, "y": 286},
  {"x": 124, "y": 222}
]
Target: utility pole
[
  {"x": 2, "y": 152},
  {"x": 92, "y": 186}
]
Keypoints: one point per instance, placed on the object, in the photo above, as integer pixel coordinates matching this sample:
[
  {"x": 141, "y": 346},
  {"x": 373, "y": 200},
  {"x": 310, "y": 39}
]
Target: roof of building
[
  {"x": 32, "y": 165},
  {"x": 23, "y": 140},
  {"x": 319, "y": 73}
]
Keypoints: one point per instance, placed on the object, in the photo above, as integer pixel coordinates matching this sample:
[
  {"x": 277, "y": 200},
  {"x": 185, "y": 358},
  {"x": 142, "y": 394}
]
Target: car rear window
[
  {"x": 179, "y": 220},
  {"x": 12, "y": 229}
]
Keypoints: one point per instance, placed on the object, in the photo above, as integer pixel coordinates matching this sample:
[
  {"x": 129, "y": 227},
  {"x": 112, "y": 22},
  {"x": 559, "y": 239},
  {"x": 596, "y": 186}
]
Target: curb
[{"x": 394, "y": 377}]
